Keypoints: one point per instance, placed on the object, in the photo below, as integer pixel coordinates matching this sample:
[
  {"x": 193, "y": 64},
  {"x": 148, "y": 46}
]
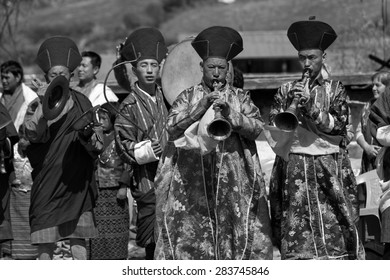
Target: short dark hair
[
  {"x": 13, "y": 67},
  {"x": 383, "y": 76},
  {"x": 96, "y": 60}
]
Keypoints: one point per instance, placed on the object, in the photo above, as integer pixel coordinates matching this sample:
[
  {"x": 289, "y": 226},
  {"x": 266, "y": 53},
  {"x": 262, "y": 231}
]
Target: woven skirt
[
  {"x": 5, "y": 218},
  {"x": 20, "y": 248},
  {"x": 112, "y": 219}
]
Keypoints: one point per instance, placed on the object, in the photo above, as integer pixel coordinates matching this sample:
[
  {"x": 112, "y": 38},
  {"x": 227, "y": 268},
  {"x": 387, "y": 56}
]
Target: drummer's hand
[
  {"x": 223, "y": 106},
  {"x": 156, "y": 148}
]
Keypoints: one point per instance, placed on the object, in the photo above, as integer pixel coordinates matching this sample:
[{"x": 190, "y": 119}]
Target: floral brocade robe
[
  {"x": 213, "y": 206},
  {"x": 313, "y": 197}
]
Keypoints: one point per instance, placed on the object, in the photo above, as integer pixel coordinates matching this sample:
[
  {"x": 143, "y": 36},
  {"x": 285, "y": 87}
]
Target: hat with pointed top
[
  {"x": 311, "y": 34},
  {"x": 58, "y": 50},
  {"x": 218, "y": 41},
  {"x": 145, "y": 43}
]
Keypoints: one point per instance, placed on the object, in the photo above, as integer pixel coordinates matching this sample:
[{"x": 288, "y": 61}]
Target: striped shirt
[{"x": 150, "y": 115}]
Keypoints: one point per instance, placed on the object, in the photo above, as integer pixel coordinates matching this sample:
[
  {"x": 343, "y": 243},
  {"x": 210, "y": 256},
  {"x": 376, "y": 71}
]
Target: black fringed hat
[
  {"x": 145, "y": 43},
  {"x": 218, "y": 41},
  {"x": 311, "y": 34},
  {"x": 58, "y": 50}
]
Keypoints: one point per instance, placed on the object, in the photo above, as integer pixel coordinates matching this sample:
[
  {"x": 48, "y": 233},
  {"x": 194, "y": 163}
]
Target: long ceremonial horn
[
  {"x": 288, "y": 120},
  {"x": 219, "y": 129},
  {"x": 55, "y": 98}
]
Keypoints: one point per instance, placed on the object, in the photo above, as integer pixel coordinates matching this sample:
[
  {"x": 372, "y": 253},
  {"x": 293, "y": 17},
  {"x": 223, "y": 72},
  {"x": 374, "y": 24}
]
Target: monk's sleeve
[
  {"x": 334, "y": 120},
  {"x": 36, "y": 126},
  {"x": 276, "y": 198},
  {"x": 125, "y": 134},
  {"x": 186, "y": 110},
  {"x": 248, "y": 121}
]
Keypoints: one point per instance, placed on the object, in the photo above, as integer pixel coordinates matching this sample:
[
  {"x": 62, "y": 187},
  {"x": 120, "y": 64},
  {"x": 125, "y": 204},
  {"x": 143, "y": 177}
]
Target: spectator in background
[
  {"x": 16, "y": 95},
  {"x": 88, "y": 85},
  {"x": 369, "y": 144},
  {"x": 379, "y": 119},
  {"x": 8, "y": 137},
  {"x": 16, "y": 98}
]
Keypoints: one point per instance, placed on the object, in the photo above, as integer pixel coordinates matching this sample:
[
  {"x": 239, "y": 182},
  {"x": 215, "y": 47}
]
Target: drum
[{"x": 181, "y": 70}]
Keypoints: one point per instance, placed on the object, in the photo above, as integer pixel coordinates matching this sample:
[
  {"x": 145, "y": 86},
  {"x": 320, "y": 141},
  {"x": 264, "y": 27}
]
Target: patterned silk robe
[
  {"x": 311, "y": 210},
  {"x": 212, "y": 206},
  {"x": 150, "y": 116}
]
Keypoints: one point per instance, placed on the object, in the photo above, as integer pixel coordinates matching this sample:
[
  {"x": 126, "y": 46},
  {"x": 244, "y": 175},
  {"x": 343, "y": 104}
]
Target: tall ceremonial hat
[
  {"x": 145, "y": 43},
  {"x": 218, "y": 41},
  {"x": 311, "y": 34},
  {"x": 58, "y": 50}
]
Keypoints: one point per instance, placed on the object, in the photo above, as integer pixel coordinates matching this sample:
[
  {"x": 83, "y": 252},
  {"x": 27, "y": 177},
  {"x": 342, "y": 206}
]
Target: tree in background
[{"x": 10, "y": 13}]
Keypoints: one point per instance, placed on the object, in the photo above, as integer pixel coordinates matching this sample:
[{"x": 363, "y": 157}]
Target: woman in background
[{"x": 380, "y": 81}]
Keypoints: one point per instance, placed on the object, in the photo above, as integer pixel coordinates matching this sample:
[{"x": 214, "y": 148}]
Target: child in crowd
[{"x": 112, "y": 215}]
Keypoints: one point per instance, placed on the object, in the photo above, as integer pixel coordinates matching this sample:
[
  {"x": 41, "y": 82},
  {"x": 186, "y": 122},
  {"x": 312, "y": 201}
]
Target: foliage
[
  {"x": 37, "y": 33},
  {"x": 131, "y": 20},
  {"x": 170, "y": 6},
  {"x": 101, "y": 24},
  {"x": 155, "y": 12},
  {"x": 10, "y": 12}
]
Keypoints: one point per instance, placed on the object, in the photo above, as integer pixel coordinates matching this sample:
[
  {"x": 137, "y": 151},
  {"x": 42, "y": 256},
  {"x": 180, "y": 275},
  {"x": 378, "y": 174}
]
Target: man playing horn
[
  {"x": 211, "y": 203},
  {"x": 311, "y": 214},
  {"x": 140, "y": 128},
  {"x": 63, "y": 192}
]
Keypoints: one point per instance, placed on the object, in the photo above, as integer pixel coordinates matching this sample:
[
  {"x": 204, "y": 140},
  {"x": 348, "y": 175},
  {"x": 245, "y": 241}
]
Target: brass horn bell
[
  {"x": 288, "y": 120},
  {"x": 219, "y": 129},
  {"x": 55, "y": 98}
]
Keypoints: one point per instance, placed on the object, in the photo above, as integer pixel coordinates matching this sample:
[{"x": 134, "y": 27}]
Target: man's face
[
  {"x": 58, "y": 70},
  {"x": 87, "y": 71},
  {"x": 215, "y": 70},
  {"x": 312, "y": 59},
  {"x": 147, "y": 71},
  {"x": 10, "y": 82}
]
